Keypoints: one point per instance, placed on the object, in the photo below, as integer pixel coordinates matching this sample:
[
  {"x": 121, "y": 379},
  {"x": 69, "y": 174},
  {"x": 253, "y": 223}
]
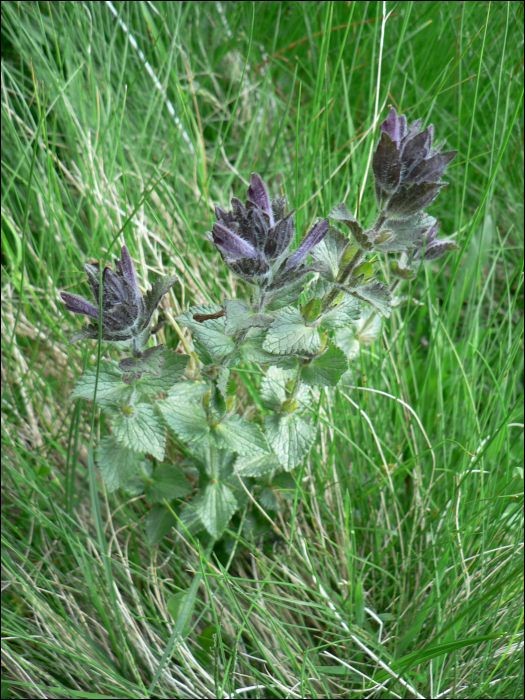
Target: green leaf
[
  {"x": 252, "y": 351},
  {"x": 151, "y": 361},
  {"x": 189, "y": 392},
  {"x": 223, "y": 380},
  {"x": 117, "y": 463},
  {"x": 347, "y": 311},
  {"x": 285, "y": 483},
  {"x": 170, "y": 373},
  {"x": 135, "y": 486},
  {"x": 188, "y": 421},
  {"x": 215, "y": 507},
  {"x": 142, "y": 430},
  {"x": 159, "y": 522},
  {"x": 312, "y": 310},
  {"x": 211, "y": 332},
  {"x": 290, "y": 437},
  {"x": 290, "y": 335},
  {"x": 159, "y": 288},
  {"x": 286, "y": 295},
  {"x": 327, "y": 369},
  {"x": 351, "y": 338},
  {"x": 110, "y": 384},
  {"x": 189, "y": 518},
  {"x": 267, "y": 500},
  {"x": 273, "y": 388},
  {"x": 330, "y": 251},
  {"x": 169, "y": 481},
  {"x": 400, "y": 271},
  {"x": 319, "y": 288},
  {"x": 256, "y": 465},
  {"x": 340, "y": 213},
  {"x": 234, "y": 483},
  {"x": 240, "y": 436},
  {"x": 212, "y": 461},
  {"x": 376, "y": 294},
  {"x": 239, "y": 316},
  {"x": 206, "y": 639}
]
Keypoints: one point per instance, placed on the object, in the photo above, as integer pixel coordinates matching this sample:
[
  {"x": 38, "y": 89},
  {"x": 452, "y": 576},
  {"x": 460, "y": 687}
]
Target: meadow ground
[{"x": 400, "y": 573}]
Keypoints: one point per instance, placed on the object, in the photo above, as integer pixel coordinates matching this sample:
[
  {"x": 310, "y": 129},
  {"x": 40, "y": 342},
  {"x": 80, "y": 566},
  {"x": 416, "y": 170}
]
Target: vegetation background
[{"x": 400, "y": 572}]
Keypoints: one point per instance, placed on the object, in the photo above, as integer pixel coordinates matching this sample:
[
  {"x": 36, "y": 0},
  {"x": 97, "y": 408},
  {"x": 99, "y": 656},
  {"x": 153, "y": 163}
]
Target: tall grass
[{"x": 396, "y": 564}]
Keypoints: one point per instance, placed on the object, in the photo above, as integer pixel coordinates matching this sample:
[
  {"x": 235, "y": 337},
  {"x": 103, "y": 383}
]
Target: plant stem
[{"x": 352, "y": 265}]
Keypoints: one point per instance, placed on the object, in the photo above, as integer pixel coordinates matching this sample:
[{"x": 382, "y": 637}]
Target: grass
[{"x": 399, "y": 569}]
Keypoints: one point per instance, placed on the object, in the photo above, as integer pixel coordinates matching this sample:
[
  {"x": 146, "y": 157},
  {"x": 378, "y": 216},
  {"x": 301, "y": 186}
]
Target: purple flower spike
[
  {"x": 429, "y": 248},
  {"x": 258, "y": 195},
  {"x": 254, "y": 239},
  {"x": 315, "y": 236},
  {"x": 394, "y": 126},
  {"x": 404, "y": 156},
  {"x": 77, "y": 305},
  {"x": 128, "y": 272},
  {"x": 125, "y": 313},
  {"x": 231, "y": 243}
]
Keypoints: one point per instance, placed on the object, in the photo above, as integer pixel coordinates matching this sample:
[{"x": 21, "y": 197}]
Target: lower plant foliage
[{"x": 304, "y": 346}]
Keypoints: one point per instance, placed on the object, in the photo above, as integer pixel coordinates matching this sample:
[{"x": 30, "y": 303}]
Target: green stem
[{"x": 352, "y": 265}]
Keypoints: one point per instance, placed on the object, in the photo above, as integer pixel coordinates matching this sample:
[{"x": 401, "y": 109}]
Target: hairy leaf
[
  {"x": 363, "y": 238},
  {"x": 118, "y": 464},
  {"x": 238, "y": 485},
  {"x": 330, "y": 251},
  {"x": 189, "y": 392},
  {"x": 364, "y": 332},
  {"x": 289, "y": 334},
  {"x": 252, "y": 351},
  {"x": 387, "y": 167},
  {"x": 411, "y": 200},
  {"x": 376, "y": 294},
  {"x": 159, "y": 522},
  {"x": 189, "y": 517},
  {"x": 236, "y": 434},
  {"x": 256, "y": 465},
  {"x": 142, "y": 430},
  {"x": 110, "y": 384},
  {"x": 188, "y": 421},
  {"x": 152, "y": 299},
  {"x": 239, "y": 316},
  {"x": 151, "y": 362},
  {"x": 215, "y": 507},
  {"x": 170, "y": 373},
  {"x": 327, "y": 369},
  {"x": 290, "y": 437},
  {"x": 286, "y": 295},
  {"x": 211, "y": 332},
  {"x": 347, "y": 311},
  {"x": 400, "y": 235},
  {"x": 273, "y": 388},
  {"x": 169, "y": 481},
  {"x": 266, "y": 498}
]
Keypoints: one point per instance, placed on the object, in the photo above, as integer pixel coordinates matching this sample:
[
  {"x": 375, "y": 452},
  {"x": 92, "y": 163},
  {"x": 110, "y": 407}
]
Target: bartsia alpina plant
[{"x": 310, "y": 309}]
